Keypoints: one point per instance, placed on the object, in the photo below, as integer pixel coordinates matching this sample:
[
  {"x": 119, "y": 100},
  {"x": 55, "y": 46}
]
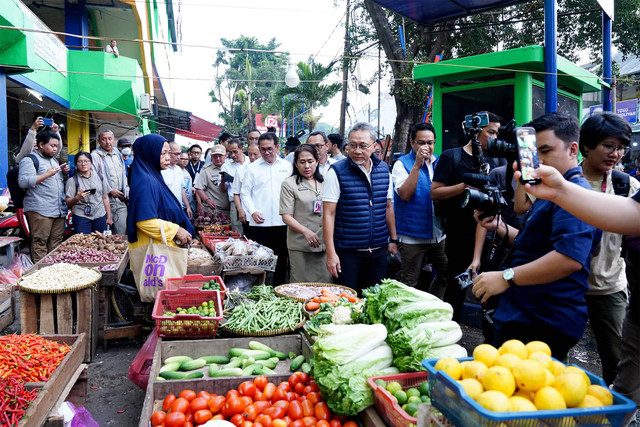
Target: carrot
[
  {"x": 327, "y": 293},
  {"x": 312, "y": 305},
  {"x": 316, "y": 299},
  {"x": 351, "y": 298}
]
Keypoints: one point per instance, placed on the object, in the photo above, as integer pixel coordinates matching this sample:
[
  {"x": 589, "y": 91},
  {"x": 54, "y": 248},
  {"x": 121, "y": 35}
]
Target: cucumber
[
  {"x": 215, "y": 359},
  {"x": 255, "y": 345},
  {"x": 306, "y": 368},
  {"x": 160, "y": 379},
  {"x": 268, "y": 363},
  {"x": 213, "y": 368},
  {"x": 274, "y": 359},
  {"x": 245, "y": 353},
  {"x": 236, "y": 362},
  {"x": 280, "y": 355},
  {"x": 264, "y": 371},
  {"x": 170, "y": 375},
  {"x": 248, "y": 362},
  {"x": 248, "y": 370},
  {"x": 192, "y": 365},
  {"x": 231, "y": 372},
  {"x": 177, "y": 359},
  {"x": 175, "y": 366},
  {"x": 296, "y": 363}
]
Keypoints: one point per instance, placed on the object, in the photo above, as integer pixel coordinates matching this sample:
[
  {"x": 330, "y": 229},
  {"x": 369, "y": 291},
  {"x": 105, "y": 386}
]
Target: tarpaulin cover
[
  {"x": 201, "y": 130},
  {"x": 431, "y": 11}
]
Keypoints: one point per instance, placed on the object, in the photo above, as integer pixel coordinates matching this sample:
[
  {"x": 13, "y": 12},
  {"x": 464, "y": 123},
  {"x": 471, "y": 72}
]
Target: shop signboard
[{"x": 627, "y": 109}]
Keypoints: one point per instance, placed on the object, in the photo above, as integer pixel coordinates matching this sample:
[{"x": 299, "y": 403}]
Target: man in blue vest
[
  {"x": 419, "y": 231},
  {"x": 358, "y": 219}
]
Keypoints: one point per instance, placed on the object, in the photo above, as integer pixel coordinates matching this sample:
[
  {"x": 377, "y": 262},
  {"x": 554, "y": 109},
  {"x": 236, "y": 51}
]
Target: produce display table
[{"x": 50, "y": 392}]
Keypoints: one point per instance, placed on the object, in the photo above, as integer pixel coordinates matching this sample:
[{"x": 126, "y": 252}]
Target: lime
[
  {"x": 394, "y": 387},
  {"x": 414, "y": 399},
  {"x": 381, "y": 383},
  {"x": 413, "y": 392},
  {"x": 411, "y": 409},
  {"x": 424, "y": 389},
  {"x": 401, "y": 396},
  {"x": 425, "y": 399},
  {"x": 404, "y": 407}
]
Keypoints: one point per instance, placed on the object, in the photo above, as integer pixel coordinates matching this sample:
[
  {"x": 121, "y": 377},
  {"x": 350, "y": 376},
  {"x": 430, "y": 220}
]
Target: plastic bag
[
  {"x": 16, "y": 266},
  {"x": 8, "y": 277},
  {"x": 76, "y": 417},
  {"x": 140, "y": 368},
  {"x": 26, "y": 262}
]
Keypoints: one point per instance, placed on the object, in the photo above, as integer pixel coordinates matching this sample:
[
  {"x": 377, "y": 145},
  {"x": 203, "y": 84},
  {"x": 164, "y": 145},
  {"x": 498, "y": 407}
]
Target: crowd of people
[{"x": 331, "y": 217}]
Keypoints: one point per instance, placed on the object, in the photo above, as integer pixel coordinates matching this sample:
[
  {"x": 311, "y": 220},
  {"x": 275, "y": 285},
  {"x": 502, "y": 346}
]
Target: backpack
[{"x": 17, "y": 192}]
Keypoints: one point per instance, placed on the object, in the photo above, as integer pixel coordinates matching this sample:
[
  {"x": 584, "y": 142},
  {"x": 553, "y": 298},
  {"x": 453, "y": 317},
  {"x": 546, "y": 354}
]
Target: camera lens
[
  {"x": 501, "y": 148},
  {"x": 475, "y": 199}
]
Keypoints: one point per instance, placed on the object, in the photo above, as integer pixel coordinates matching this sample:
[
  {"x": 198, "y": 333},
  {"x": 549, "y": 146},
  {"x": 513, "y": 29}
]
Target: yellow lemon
[
  {"x": 500, "y": 379},
  {"x": 486, "y": 354},
  {"x": 472, "y": 387},
  {"x": 507, "y": 360},
  {"x": 449, "y": 365},
  {"x": 463, "y": 364},
  {"x": 601, "y": 393},
  {"x": 543, "y": 358},
  {"x": 550, "y": 378},
  {"x": 572, "y": 388},
  {"x": 514, "y": 347},
  {"x": 526, "y": 394},
  {"x": 558, "y": 367},
  {"x": 590, "y": 401},
  {"x": 576, "y": 370},
  {"x": 494, "y": 401},
  {"x": 517, "y": 403},
  {"x": 536, "y": 346},
  {"x": 474, "y": 369},
  {"x": 529, "y": 375},
  {"x": 549, "y": 398}
]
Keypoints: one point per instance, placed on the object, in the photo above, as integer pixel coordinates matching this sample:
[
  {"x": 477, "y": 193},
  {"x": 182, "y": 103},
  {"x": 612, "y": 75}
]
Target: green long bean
[{"x": 265, "y": 315}]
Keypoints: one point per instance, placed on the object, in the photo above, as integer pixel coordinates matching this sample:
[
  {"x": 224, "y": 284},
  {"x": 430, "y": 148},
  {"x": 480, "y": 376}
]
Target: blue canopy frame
[{"x": 433, "y": 11}]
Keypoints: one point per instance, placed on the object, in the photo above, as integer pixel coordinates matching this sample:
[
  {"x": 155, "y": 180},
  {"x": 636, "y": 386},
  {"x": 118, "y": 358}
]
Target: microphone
[{"x": 476, "y": 180}]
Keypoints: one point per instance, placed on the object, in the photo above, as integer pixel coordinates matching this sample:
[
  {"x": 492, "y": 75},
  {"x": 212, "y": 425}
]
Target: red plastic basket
[
  {"x": 196, "y": 281},
  {"x": 186, "y": 325},
  {"x": 386, "y": 404}
]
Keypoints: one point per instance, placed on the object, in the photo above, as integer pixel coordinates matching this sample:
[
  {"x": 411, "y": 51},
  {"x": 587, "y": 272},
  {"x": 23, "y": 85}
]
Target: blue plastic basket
[{"x": 451, "y": 399}]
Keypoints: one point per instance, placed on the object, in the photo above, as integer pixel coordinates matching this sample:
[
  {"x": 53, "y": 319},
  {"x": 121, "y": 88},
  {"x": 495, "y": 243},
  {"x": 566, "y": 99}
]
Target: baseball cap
[
  {"x": 124, "y": 142},
  {"x": 218, "y": 149}
]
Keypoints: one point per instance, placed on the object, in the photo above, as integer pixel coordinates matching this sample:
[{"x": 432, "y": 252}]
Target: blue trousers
[{"x": 86, "y": 226}]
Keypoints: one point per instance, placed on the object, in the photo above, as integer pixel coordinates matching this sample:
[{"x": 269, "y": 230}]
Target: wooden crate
[
  {"x": 50, "y": 391},
  {"x": 259, "y": 276},
  {"x": 7, "y": 306},
  {"x": 75, "y": 392},
  {"x": 66, "y": 313}
]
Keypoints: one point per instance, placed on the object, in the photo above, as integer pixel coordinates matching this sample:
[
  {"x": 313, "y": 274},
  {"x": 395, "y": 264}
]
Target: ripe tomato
[
  {"x": 158, "y": 418},
  {"x": 279, "y": 394},
  {"x": 268, "y": 391},
  {"x": 313, "y": 397},
  {"x": 250, "y": 412},
  {"x": 202, "y": 416},
  {"x": 314, "y": 386},
  {"x": 279, "y": 422},
  {"x": 218, "y": 417},
  {"x": 259, "y": 396},
  {"x": 335, "y": 423},
  {"x": 308, "y": 389},
  {"x": 322, "y": 423},
  {"x": 237, "y": 419},
  {"x": 168, "y": 402},
  {"x": 265, "y": 420},
  {"x": 294, "y": 379},
  {"x": 297, "y": 423},
  {"x": 350, "y": 424},
  {"x": 197, "y": 404},
  {"x": 246, "y": 400},
  {"x": 247, "y": 388},
  {"x": 257, "y": 425},
  {"x": 299, "y": 388},
  {"x": 260, "y": 381},
  {"x": 285, "y": 386},
  {"x": 322, "y": 411},
  {"x": 180, "y": 405},
  {"x": 175, "y": 419},
  {"x": 281, "y": 404},
  {"x": 216, "y": 404},
  {"x": 205, "y": 395},
  {"x": 304, "y": 378},
  {"x": 291, "y": 396},
  {"x": 307, "y": 408},
  {"x": 309, "y": 421},
  {"x": 233, "y": 406},
  {"x": 246, "y": 424},
  {"x": 232, "y": 393},
  {"x": 261, "y": 406},
  {"x": 188, "y": 424},
  {"x": 288, "y": 420},
  {"x": 295, "y": 410},
  {"x": 188, "y": 394},
  {"x": 275, "y": 412}
]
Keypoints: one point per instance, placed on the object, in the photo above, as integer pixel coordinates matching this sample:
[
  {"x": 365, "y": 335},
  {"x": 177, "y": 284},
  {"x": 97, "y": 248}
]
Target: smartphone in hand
[
  {"x": 47, "y": 122},
  {"x": 527, "y": 154}
]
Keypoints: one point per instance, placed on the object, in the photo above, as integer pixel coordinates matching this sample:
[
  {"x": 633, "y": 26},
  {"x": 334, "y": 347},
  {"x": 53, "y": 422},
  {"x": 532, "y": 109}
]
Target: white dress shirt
[
  {"x": 174, "y": 178},
  {"x": 331, "y": 187},
  {"x": 260, "y": 190},
  {"x": 400, "y": 175},
  {"x": 325, "y": 168},
  {"x": 231, "y": 168}
]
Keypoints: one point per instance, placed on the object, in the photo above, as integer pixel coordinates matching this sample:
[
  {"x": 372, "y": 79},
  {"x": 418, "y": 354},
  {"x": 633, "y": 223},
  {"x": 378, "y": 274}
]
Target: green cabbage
[{"x": 340, "y": 344}]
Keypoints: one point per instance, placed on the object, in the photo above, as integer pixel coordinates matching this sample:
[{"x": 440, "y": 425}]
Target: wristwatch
[
  {"x": 508, "y": 276},
  {"x": 396, "y": 241}
]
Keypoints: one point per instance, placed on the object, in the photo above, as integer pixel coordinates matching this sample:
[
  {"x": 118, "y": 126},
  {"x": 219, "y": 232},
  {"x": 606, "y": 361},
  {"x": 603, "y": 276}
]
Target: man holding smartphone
[{"x": 542, "y": 294}]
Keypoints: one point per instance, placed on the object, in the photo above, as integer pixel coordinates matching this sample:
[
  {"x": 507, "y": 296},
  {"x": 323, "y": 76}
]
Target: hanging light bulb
[{"x": 291, "y": 79}]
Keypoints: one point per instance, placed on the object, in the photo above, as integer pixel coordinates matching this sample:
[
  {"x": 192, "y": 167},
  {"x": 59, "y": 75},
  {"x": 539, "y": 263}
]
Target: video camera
[
  {"x": 502, "y": 146},
  {"x": 489, "y": 199}
]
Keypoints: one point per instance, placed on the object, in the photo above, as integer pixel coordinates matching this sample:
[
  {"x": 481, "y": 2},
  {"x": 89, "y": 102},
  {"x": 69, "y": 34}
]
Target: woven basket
[
  {"x": 268, "y": 333},
  {"x": 72, "y": 288},
  {"x": 321, "y": 285}
]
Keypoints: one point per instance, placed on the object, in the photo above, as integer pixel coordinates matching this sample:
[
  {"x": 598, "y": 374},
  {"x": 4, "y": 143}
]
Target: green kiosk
[{"x": 509, "y": 83}]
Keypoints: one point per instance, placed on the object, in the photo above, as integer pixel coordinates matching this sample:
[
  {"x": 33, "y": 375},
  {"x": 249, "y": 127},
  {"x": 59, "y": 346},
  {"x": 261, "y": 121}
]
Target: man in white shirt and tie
[
  {"x": 321, "y": 143},
  {"x": 260, "y": 195}
]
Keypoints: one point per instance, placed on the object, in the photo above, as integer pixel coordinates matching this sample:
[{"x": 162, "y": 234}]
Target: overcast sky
[{"x": 303, "y": 28}]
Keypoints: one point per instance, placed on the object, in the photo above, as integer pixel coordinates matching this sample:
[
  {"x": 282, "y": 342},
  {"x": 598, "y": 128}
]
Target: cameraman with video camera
[
  {"x": 448, "y": 188},
  {"x": 543, "y": 294}
]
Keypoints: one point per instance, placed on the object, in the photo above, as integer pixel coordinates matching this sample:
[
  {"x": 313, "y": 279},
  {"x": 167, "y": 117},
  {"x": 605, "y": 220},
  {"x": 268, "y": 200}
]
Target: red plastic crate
[
  {"x": 195, "y": 281},
  {"x": 186, "y": 325},
  {"x": 386, "y": 404}
]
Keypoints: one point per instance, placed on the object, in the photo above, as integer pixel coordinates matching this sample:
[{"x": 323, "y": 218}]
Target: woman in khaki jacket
[{"x": 301, "y": 210}]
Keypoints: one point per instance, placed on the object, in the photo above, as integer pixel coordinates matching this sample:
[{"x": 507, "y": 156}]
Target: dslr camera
[
  {"x": 489, "y": 200},
  {"x": 505, "y": 145}
]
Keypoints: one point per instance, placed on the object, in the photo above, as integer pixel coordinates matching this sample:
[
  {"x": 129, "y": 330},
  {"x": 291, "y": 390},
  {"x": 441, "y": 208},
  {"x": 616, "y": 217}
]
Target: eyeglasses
[
  {"x": 83, "y": 162},
  {"x": 195, "y": 153},
  {"x": 621, "y": 149},
  {"x": 267, "y": 150},
  {"x": 318, "y": 147},
  {"x": 362, "y": 147}
]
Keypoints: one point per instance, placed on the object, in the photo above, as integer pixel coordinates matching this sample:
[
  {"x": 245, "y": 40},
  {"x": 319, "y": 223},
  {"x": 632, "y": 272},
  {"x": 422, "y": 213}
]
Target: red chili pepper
[
  {"x": 14, "y": 400},
  {"x": 29, "y": 357}
]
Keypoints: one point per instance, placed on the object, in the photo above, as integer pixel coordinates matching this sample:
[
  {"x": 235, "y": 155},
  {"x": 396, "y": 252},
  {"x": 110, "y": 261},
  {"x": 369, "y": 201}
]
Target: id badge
[
  {"x": 87, "y": 210},
  {"x": 317, "y": 206}
]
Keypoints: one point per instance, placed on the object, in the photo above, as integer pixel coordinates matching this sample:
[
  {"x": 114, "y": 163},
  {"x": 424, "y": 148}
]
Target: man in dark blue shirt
[{"x": 543, "y": 293}]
